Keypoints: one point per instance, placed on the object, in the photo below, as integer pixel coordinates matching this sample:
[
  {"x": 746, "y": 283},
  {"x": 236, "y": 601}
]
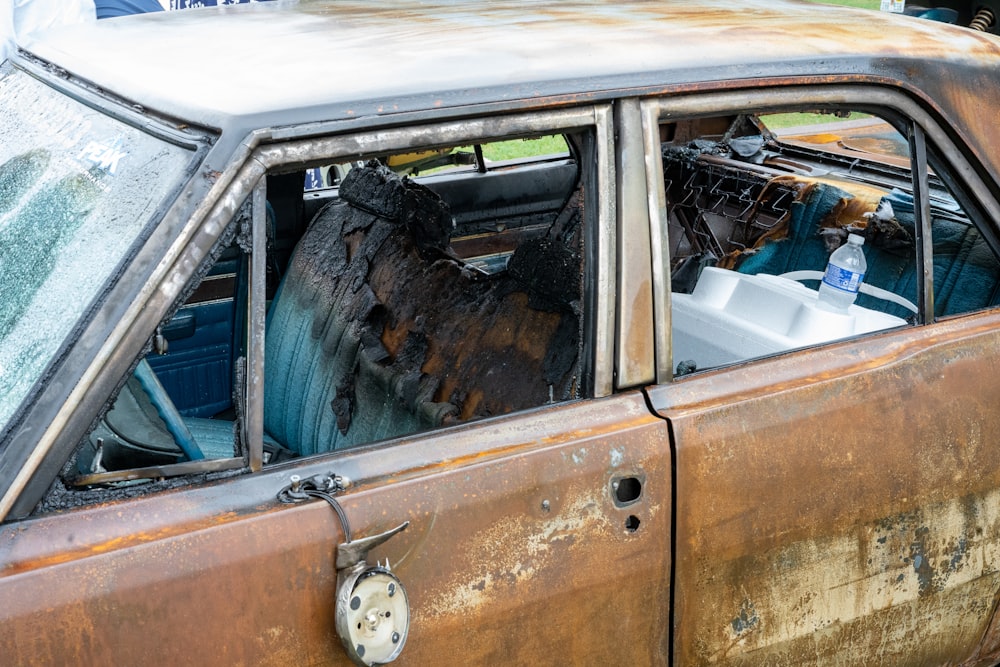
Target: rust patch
[
  {"x": 860, "y": 529},
  {"x": 542, "y": 545}
]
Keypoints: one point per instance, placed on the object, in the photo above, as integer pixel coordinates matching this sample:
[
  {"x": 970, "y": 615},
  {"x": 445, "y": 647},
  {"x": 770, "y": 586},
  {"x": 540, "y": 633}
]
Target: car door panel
[
  {"x": 197, "y": 369},
  {"x": 519, "y": 549},
  {"x": 840, "y": 502},
  {"x": 507, "y": 548}
]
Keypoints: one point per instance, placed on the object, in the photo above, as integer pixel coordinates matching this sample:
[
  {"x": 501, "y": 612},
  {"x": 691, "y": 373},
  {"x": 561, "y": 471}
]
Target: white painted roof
[{"x": 330, "y": 59}]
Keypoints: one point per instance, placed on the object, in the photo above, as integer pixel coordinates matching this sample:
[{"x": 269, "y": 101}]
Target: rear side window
[{"x": 757, "y": 205}]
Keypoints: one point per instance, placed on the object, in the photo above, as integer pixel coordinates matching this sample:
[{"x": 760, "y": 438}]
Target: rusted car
[{"x": 579, "y": 403}]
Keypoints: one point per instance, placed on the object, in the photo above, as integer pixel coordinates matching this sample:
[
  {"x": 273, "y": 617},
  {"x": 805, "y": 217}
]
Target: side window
[
  {"x": 965, "y": 265},
  {"x": 400, "y": 297},
  {"x": 762, "y": 211},
  {"x": 489, "y": 156},
  {"x": 444, "y": 291}
]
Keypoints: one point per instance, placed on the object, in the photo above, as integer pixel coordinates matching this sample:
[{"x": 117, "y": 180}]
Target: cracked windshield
[{"x": 77, "y": 188}]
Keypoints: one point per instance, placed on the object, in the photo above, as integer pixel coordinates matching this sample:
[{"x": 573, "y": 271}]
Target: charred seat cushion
[{"x": 376, "y": 332}]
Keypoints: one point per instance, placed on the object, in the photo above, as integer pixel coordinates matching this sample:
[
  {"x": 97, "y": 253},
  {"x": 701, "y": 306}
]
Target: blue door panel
[{"x": 197, "y": 369}]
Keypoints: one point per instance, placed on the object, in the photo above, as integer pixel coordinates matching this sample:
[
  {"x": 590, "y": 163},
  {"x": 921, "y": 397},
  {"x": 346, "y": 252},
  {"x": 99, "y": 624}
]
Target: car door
[
  {"x": 520, "y": 548},
  {"x": 836, "y": 496},
  {"x": 538, "y": 536}
]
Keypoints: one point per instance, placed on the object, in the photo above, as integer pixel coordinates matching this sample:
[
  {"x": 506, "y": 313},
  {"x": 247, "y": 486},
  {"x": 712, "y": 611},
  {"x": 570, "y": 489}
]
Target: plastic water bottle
[{"x": 843, "y": 276}]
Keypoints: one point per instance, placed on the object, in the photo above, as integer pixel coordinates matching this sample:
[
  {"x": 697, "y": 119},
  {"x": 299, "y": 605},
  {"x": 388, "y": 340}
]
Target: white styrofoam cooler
[{"x": 731, "y": 316}]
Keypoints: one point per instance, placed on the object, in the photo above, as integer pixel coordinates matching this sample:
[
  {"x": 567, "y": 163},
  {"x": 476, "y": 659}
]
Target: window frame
[
  {"x": 925, "y": 137},
  {"x": 599, "y": 236},
  {"x": 250, "y": 182}
]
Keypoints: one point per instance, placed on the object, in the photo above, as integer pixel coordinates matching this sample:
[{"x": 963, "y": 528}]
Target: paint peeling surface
[
  {"x": 892, "y": 586},
  {"x": 516, "y": 554},
  {"x": 545, "y": 545},
  {"x": 506, "y": 574},
  {"x": 873, "y": 539}
]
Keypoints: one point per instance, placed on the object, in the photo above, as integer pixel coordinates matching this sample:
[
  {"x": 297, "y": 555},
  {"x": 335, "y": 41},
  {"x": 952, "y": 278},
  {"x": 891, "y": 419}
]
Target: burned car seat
[
  {"x": 377, "y": 332},
  {"x": 966, "y": 273}
]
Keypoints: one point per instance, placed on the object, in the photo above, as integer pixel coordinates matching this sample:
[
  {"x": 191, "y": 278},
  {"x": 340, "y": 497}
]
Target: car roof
[{"x": 284, "y": 62}]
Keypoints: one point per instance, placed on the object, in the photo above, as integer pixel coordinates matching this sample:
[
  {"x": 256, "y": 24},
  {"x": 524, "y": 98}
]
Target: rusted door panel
[
  {"x": 517, "y": 553},
  {"x": 840, "y": 503}
]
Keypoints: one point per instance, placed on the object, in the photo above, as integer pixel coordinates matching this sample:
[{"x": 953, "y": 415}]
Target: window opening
[
  {"x": 396, "y": 304},
  {"x": 444, "y": 298},
  {"x": 755, "y": 214},
  {"x": 482, "y": 158}
]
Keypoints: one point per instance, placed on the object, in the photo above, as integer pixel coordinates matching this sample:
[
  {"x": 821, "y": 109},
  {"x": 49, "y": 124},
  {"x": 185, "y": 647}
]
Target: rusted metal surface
[
  {"x": 987, "y": 654},
  {"x": 642, "y": 45},
  {"x": 510, "y": 526},
  {"x": 820, "y": 514},
  {"x": 635, "y": 350},
  {"x": 840, "y": 505}
]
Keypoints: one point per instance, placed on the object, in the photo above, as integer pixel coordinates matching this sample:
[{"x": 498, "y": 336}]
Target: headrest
[{"x": 380, "y": 191}]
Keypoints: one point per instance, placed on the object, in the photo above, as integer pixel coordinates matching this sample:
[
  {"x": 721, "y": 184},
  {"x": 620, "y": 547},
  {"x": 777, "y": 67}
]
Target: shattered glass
[{"x": 77, "y": 188}]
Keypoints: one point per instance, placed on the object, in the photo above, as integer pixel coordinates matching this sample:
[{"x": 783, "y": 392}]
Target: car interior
[
  {"x": 405, "y": 293},
  {"x": 754, "y": 215}
]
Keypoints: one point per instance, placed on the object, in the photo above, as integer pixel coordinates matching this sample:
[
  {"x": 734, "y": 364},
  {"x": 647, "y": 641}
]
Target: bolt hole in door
[
  {"x": 632, "y": 523},
  {"x": 627, "y": 490}
]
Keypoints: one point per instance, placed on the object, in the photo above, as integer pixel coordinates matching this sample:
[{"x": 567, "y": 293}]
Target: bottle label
[{"x": 842, "y": 279}]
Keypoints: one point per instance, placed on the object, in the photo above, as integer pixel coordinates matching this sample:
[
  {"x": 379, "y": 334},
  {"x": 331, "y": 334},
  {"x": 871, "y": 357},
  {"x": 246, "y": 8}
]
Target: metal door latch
[{"x": 372, "y": 610}]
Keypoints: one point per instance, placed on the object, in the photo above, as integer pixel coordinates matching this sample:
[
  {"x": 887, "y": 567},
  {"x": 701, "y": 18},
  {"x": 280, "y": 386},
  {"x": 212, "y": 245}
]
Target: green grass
[
  {"x": 864, "y": 4},
  {"x": 516, "y": 148},
  {"x": 780, "y": 120}
]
